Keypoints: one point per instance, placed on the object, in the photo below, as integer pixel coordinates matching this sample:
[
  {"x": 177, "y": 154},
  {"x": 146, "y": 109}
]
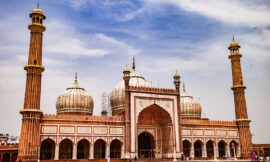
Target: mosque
[{"x": 146, "y": 122}]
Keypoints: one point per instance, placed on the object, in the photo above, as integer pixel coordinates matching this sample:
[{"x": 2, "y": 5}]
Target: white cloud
[
  {"x": 230, "y": 12},
  {"x": 115, "y": 45},
  {"x": 63, "y": 39}
]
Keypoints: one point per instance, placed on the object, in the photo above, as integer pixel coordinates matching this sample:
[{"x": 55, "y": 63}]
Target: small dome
[
  {"x": 234, "y": 44},
  {"x": 190, "y": 107},
  {"x": 117, "y": 98},
  {"x": 37, "y": 10},
  {"x": 75, "y": 100}
]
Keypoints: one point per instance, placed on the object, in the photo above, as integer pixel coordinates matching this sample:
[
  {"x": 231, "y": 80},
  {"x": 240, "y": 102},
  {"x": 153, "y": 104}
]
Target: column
[
  {"x": 238, "y": 151},
  {"x": 228, "y": 151},
  {"x": 107, "y": 151},
  {"x": 204, "y": 150},
  {"x": 215, "y": 150},
  {"x": 192, "y": 150},
  {"x": 123, "y": 152},
  {"x": 56, "y": 153},
  {"x": 74, "y": 154},
  {"x": 91, "y": 151}
]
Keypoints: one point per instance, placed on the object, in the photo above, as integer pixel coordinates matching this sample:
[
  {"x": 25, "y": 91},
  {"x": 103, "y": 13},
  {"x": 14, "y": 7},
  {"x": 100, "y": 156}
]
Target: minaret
[
  {"x": 31, "y": 113},
  {"x": 177, "y": 82},
  {"x": 238, "y": 89},
  {"x": 126, "y": 79}
]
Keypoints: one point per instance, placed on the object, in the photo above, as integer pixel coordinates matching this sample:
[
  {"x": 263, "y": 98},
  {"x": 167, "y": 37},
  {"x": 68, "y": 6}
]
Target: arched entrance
[
  {"x": 83, "y": 149},
  {"x": 159, "y": 143},
  {"x": 65, "y": 149},
  {"x": 146, "y": 145},
  {"x": 221, "y": 149},
  {"x": 198, "y": 148},
  {"x": 6, "y": 157},
  {"x": 186, "y": 148},
  {"x": 99, "y": 149},
  {"x": 210, "y": 149},
  {"x": 233, "y": 148},
  {"x": 115, "y": 149},
  {"x": 47, "y": 149}
]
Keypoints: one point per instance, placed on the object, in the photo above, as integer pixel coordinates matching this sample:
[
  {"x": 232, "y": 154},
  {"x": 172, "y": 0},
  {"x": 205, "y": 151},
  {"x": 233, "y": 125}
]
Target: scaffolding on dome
[{"x": 105, "y": 104}]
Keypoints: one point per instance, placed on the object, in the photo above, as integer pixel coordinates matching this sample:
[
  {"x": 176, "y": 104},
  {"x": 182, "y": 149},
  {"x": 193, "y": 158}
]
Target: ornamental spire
[
  {"x": 133, "y": 63},
  {"x": 76, "y": 84},
  {"x": 184, "y": 87}
]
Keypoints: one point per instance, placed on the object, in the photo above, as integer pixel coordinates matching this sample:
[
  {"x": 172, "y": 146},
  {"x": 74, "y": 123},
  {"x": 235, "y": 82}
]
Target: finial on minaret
[
  {"x": 38, "y": 4},
  {"x": 184, "y": 87},
  {"x": 233, "y": 38},
  {"x": 133, "y": 63}
]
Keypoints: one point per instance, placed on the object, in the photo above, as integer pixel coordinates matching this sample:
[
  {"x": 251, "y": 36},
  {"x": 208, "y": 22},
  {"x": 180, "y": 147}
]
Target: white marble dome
[
  {"x": 117, "y": 97},
  {"x": 75, "y": 100},
  {"x": 190, "y": 107}
]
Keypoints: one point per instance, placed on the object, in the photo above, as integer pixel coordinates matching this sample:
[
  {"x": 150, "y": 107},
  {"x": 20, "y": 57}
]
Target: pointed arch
[
  {"x": 153, "y": 114},
  {"x": 146, "y": 145},
  {"x": 115, "y": 148},
  {"x": 222, "y": 148},
  {"x": 83, "y": 147},
  {"x": 47, "y": 149},
  {"x": 65, "y": 149},
  {"x": 99, "y": 149},
  {"x": 210, "y": 149},
  {"x": 233, "y": 148},
  {"x": 186, "y": 148},
  {"x": 198, "y": 145}
]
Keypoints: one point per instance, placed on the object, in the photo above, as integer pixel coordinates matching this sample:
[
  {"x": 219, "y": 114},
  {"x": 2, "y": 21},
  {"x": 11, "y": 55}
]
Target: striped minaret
[
  {"x": 31, "y": 113},
  {"x": 240, "y": 101}
]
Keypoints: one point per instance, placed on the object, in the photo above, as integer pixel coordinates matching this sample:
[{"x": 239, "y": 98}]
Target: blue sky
[{"x": 98, "y": 38}]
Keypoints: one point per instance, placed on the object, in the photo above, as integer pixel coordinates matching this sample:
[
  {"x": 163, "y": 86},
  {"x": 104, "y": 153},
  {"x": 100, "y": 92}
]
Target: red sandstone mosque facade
[{"x": 146, "y": 122}]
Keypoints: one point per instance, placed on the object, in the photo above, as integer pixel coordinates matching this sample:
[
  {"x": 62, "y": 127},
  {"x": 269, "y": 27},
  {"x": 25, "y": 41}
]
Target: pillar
[
  {"x": 74, "y": 152},
  {"x": 192, "y": 150},
  {"x": 215, "y": 150},
  {"x": 107, "y": 151},
  {"x": 91, "y": 151},
  {"x": 204, "y": 154},
  {"x": 228, "y": 151},
  {"x": 238, "y": 150},
  {"x": 56, "y": 153}
]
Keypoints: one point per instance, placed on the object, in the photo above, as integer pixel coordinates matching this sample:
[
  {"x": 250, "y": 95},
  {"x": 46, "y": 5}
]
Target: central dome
[
  {"x": 117, "y": 98},
  {"x": 75, "y": 100},
  {"x": 190, "y": 107}
]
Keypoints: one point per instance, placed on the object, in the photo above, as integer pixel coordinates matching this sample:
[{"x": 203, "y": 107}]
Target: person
[
  {"x": 135, "y": 158},
  {"x": 182, "y": 157},
  {"x": 254, "y": 156}
]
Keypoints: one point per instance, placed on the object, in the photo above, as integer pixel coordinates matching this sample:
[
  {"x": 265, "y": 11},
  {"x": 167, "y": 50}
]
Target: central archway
[
  {"x": 146, "y": 145},
  {"x": 160, "y": 142}
]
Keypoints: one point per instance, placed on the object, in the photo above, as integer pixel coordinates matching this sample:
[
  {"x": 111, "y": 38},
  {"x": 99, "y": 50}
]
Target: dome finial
[
  {"x": 38, "y": 4},
  {"x": 184, "y": 87},
  {"x": 76, "y": 84},
  {"x": 233, "y": 38},
  {"x": 133, "y": 63}
]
